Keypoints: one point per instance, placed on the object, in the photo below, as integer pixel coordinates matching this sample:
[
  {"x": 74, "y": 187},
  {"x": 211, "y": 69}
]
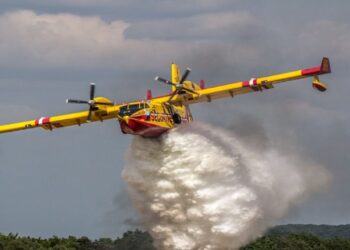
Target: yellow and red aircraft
[{"x": 155, "y": 115}]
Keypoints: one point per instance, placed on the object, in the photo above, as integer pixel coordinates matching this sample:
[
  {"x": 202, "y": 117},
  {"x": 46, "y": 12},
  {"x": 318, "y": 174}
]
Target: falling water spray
[{"x": 200, "y": 187}]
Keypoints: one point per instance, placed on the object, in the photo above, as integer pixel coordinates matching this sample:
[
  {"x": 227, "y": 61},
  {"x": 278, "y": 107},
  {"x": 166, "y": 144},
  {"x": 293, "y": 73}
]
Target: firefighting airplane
[{"x": 155, "y": 115}]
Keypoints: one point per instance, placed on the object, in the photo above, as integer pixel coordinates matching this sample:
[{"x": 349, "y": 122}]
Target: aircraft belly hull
[{"x": 137, "y": 127}]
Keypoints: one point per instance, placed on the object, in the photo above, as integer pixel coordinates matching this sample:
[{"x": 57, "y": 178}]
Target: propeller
[
  {"x": 92, "y": 103},
  {"x": 179, "y": 87}
]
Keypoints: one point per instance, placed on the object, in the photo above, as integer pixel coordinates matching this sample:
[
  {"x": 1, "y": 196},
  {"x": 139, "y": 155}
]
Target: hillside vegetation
[
  {"x": 284, "y": 237},
  {"x": 323, "y": 231}
]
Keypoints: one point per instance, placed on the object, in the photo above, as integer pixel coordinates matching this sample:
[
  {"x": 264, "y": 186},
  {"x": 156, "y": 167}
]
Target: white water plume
[{"x": 200, "y": 187}]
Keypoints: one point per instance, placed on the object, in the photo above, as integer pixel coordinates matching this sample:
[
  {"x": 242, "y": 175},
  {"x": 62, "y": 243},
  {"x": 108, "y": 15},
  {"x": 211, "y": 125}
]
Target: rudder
[{"x": 175, "y": 75}]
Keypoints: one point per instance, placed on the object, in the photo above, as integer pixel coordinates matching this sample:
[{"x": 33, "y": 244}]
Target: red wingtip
[{"x": 324, "y": 68}]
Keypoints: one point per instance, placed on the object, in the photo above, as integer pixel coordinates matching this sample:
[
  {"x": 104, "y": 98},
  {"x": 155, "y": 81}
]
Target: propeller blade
[
  {"x": 92, "y": 91},
  {"x": 185, "y": 75},
  {"x": 76, "y": 101},
  {"x": 160, "y": 79},
  {"x": 89, "y": 115},
  {"x": 172, "y": 95}
]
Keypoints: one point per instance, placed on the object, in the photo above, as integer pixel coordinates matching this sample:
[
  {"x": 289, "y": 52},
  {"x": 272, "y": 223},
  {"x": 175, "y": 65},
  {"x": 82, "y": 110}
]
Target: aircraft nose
[
  {"x": 126, "y": 119},
  {"x": 130, "y": 123}
]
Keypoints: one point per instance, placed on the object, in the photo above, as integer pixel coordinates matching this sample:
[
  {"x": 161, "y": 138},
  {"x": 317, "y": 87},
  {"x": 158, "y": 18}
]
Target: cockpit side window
[
  {"x": 132, "y": 108},
  {"x": 144, "y": 105}
]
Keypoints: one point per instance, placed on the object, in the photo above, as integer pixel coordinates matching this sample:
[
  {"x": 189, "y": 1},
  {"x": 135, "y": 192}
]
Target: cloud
[
  {"x": 215, "y": 41},
  {"x": 251, "y": 131},
  {"x": 237, "y": 25},
  {"x": 11, "y": 112},
  {"x": 168, "y": 6},
  {"x": 32, "y": 40},
  {"x": 325, "y": 37},
  {"x": 211, "y": 40},
  {"x": 27, "y": 38}
]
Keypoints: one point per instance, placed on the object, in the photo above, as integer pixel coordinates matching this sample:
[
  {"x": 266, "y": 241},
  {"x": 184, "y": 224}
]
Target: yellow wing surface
[
  {"x": 253, "y": 85},
  {"x": 100, "y": 114}
]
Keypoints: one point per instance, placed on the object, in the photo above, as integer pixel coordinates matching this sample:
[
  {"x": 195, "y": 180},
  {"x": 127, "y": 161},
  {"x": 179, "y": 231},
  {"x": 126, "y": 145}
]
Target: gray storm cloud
[{"x": 201, "y": 187}]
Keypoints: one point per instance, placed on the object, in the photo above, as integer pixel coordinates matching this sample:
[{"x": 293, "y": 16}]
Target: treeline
[
  {"x": 136, "y": 240},
  {"x": 281, "y": 237},
  {"x": 297, "y": 242},
  {"x": 323, "y": 231}
]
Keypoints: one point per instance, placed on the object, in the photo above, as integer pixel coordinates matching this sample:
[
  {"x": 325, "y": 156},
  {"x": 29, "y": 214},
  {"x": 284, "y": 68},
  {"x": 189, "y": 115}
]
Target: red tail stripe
[{"x": 311, "y": 71}]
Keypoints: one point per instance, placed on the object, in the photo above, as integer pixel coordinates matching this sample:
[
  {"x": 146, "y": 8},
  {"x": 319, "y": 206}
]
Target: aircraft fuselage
[{"x": 152, "y": 120}]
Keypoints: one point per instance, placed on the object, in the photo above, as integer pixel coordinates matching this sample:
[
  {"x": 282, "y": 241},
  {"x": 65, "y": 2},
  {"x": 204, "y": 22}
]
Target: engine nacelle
[{"x": 102, "y": 99}]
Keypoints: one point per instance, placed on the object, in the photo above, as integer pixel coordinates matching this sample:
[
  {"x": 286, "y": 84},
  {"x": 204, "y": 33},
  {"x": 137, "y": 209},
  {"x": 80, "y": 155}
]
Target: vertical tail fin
[{"x": 175, "y": 75}]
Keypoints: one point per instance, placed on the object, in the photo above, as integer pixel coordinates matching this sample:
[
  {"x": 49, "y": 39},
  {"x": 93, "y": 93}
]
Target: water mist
[{"x": 201, "y": 187}]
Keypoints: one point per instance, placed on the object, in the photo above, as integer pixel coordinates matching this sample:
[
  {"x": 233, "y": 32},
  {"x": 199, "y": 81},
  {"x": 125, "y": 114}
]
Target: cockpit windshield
[{"x": 132, "y": 108}]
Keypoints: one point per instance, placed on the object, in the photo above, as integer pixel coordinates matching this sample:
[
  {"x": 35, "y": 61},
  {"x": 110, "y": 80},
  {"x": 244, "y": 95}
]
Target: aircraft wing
[
  {"x": 53, "y": 122},
  {"x": 258, "y": 84}
]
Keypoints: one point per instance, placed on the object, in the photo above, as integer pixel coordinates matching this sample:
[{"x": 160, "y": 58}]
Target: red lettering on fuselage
[{"x": 160, "y": 118}]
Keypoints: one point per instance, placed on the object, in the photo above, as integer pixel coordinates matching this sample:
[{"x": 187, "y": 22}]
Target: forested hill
[
  {"x": 286, "y": 237},
  {"x": 323, "y": 231}
]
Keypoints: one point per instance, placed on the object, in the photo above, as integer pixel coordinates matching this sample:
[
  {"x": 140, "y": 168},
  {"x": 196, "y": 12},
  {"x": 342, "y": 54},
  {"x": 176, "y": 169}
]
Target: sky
[{"x": 68, "y": 182}]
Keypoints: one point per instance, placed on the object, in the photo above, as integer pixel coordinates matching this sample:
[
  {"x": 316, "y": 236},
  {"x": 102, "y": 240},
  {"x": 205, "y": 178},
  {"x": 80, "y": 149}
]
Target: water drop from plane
[{"x": 201, "y": 187}]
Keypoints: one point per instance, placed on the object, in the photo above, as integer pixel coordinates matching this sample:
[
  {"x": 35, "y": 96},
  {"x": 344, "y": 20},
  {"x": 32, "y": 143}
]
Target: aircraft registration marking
[{"x": 160, "y": 118}]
